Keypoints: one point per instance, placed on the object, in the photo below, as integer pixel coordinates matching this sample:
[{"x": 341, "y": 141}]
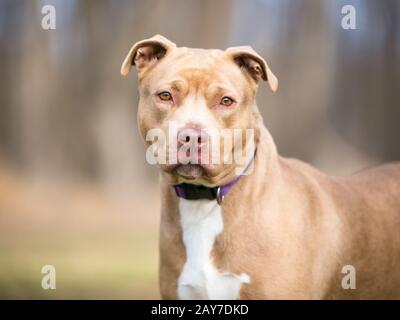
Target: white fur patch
[{"x": 201, "y": 222}]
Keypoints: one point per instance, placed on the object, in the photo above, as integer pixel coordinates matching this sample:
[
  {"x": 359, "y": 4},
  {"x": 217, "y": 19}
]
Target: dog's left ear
[
  {"x": 252, "y": 63},
  {"x": 145, "y": 53}
]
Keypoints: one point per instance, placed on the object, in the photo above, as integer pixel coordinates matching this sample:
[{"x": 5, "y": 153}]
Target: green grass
[
  {"x": 102, "y": 242},
  {"x": 107, "y": 267}
]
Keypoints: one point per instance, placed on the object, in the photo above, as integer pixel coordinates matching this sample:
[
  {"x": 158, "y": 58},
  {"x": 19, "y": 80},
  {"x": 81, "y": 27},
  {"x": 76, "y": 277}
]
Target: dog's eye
[
  {"x": 165, "y": 96},
  {"x": 226, "y": 101}
]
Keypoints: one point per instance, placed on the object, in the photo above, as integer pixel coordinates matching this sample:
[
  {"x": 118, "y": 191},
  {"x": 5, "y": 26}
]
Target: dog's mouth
[
  {"x": 195, "y": 168},
  {"x": 190, "y": 166},
  {"x": 190, "y": 171}
]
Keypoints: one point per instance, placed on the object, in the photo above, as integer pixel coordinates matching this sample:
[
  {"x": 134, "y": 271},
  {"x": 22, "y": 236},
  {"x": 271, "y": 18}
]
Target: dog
[{"x": 282, "y": 230}]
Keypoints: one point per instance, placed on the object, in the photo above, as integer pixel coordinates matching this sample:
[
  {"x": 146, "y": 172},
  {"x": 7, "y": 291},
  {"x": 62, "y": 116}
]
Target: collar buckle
[{"x": 219, "y": 196}]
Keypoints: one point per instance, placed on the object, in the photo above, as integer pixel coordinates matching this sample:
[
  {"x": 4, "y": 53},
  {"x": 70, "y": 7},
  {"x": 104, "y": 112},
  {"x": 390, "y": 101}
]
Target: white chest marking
[{"x": 201, "y": 222}]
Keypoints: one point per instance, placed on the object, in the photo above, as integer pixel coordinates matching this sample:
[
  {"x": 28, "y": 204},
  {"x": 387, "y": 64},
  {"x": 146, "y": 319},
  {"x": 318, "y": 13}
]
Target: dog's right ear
[{"x": 145, "y": 53}]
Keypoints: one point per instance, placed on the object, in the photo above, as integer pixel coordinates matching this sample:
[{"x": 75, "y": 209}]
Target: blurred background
[{"x": 75, "y": 189}]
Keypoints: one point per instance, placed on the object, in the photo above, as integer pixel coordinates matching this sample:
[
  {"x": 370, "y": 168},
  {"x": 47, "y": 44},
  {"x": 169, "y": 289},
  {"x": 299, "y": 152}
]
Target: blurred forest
[{"x": 75, "y": 189}]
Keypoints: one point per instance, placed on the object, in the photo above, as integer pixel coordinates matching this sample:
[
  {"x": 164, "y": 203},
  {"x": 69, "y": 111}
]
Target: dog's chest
[{"x": 201, "y": 222}]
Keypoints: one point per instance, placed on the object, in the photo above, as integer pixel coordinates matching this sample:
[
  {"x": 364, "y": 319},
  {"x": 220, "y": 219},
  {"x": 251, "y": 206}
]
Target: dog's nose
[{"x": 192, "y": 135}]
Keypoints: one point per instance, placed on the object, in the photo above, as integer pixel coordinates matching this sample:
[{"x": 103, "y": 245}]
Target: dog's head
[{"x": 197, "y": 98}]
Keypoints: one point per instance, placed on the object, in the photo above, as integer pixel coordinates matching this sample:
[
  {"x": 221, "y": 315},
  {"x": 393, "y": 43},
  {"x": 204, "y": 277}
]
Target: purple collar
[{"x": 195, "y": 192}]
